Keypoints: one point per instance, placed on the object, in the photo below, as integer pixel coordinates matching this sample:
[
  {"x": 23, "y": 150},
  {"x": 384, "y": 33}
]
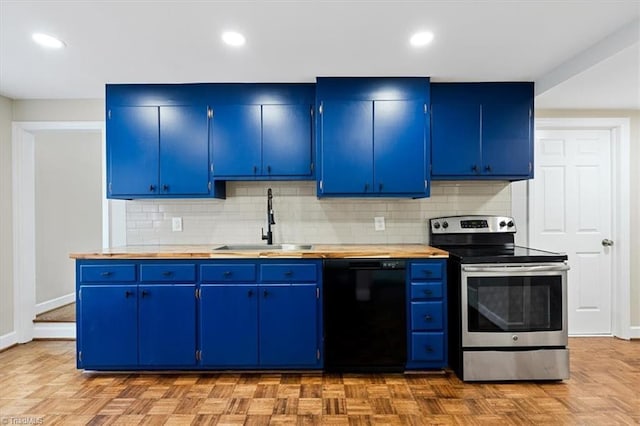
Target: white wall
[
  {"x": 6, "y": 223},
  {"x": 634, "y": 161},
  {"x": 68, "y": 204},
  {"x": 302, "y": 218}
]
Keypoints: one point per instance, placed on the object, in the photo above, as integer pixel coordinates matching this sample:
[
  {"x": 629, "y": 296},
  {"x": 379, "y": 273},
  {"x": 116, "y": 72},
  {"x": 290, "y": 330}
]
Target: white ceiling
[{"x": 295, "y": 41}]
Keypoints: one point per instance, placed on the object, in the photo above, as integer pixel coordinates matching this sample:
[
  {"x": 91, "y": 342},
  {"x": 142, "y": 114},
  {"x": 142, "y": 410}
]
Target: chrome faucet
[{"x": 270, "y": 219}]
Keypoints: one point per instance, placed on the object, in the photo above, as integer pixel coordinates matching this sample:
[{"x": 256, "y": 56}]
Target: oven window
[{"x": 514, "y": 303}]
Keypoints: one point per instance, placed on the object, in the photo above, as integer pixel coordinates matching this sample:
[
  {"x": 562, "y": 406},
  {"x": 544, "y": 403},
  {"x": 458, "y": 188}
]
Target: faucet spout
[{"x": 270, "y": 219}]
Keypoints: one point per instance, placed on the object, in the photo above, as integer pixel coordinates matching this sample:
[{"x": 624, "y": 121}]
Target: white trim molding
[
  {"x": 54, "y": 330},
  {"x": 55, "y": 303},
  {"x": 621, "y": 179},
  {"x": 8, "y": 340},
  {"x": 22, "y": 144}
]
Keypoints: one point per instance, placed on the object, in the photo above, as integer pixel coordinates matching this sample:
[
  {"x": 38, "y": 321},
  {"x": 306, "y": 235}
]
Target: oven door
[{"x": 514, "y": 305}]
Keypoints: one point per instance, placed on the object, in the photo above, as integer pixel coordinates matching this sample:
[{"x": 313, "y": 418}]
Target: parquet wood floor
[{"x": 39, "y": 384}]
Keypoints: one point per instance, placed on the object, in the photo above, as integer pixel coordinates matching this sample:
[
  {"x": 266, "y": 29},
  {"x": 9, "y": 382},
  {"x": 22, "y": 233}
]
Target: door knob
[{"x": 607, "y": 242}]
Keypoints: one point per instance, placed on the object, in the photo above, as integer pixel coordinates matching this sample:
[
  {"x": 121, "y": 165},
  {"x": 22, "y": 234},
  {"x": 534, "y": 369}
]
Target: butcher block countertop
[{"x": 318, "y": 251}]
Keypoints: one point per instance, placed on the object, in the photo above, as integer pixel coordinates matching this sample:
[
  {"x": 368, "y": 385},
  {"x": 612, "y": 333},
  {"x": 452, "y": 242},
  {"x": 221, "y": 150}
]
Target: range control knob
[
  {"x": 445, "y": 225},
  {"x": 510, "y": 223},
  {"x": 502, "y": 224},
  {"x": 436, "y": 225}
]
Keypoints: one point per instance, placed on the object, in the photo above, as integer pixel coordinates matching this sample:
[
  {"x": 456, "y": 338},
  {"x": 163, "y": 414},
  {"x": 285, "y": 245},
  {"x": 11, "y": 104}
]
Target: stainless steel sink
[{"x": 265, "y": 247}]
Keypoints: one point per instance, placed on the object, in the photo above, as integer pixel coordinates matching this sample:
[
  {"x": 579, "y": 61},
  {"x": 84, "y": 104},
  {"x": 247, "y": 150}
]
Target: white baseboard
[
  {"x": 8, "y": 339},
  {"x": 634, "y": 332},
  {"x": 55, "y": 303},
  {"x": 54, "y": 330}
]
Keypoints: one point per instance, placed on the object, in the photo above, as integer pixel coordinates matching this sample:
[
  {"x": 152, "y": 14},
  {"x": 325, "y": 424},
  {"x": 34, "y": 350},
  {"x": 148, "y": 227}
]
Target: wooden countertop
[{"x": 318, "y": 251}]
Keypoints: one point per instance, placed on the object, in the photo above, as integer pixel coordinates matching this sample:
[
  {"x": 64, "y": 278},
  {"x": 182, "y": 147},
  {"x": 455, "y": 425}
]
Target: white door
[{"x": 570, "y": 212}]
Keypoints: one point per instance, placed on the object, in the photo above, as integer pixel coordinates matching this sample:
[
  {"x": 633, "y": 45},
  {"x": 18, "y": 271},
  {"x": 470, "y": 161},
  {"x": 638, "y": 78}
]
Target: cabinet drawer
[
  {"x": 426, "y": 290},
  {"x": 228, "y": 272},
  {"x": 426, "y": 316},
  {"x": 291, "y": 272},
  {"x": 107, "y": 273},
  {"x": 426, "y": 271},
  {"x": 427, "y": 346},
  {"x": 168, "y": 273}
]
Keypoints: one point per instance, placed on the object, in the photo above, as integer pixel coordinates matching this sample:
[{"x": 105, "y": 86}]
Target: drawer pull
[
  {"x": 428, "y": 292},
  {"x": 106, "y": 273},
  {"x": 227, "y": 273},
  {"x": 427, "y": 271},
  {"x": 288, "y": 273},
  {"x": 250, "y": 293},
  {"x": 265, "y": 294},
  {"x": 428, "y": 317},
  {"x": 428, "y": 349},
  {"x": 145, "y": 293},
  {"x": 167, "y": 273},
  {"x": 128, "y": 293}
]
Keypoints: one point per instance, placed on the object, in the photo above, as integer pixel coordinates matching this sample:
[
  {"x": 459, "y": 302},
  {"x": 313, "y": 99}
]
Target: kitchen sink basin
[{"x": 265, "y": 247}]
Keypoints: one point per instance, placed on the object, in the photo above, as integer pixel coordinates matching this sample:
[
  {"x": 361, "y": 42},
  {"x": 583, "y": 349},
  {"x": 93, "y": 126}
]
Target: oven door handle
[{"x": 536, "y": 268}]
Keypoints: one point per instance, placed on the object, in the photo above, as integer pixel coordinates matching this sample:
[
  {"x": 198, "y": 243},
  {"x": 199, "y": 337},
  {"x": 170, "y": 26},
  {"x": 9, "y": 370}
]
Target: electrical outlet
[
  {"x": 378, "y": 223},
  {"x": 176, "y": 224}
]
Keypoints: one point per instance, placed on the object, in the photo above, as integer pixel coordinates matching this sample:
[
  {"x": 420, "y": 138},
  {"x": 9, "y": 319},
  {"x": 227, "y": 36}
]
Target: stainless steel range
[{"x": 508, "y": 304}]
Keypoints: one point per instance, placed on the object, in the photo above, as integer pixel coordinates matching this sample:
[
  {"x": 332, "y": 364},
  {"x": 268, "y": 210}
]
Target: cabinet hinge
[
  {"x": 320, "y": 185},
  {"x": 530, "y": 166},
  {"x": 80, "y": 356},
  {"x": 311, "y": 167},
  {"x": 317, "y": 354},
  {"x": 198, "y": 355},
  {"x": 109, "y": 187},
  {"x": 209, "y": 186},
  {"x": 426, "y": 110},
  {"x": 109, "y": 115},
  {"x": 426, "y": 184},
  {"x": 317, "y": 293},
  {"x": 311, "y": 111},
  {"x": 530, "y": 113},
  {"x": 80, "y": 294},
  {"x": 320, "y": 109},
  {"x": 209, "y": 113}
]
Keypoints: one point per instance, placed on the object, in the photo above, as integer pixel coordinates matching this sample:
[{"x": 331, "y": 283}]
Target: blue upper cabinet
[
  {"x": 373, "y": 137},
  {"x": 482, "y": 130},
  {"x": 158, "y": 142},
  {"x": 236, "y": 136},
  {"x": 262, "y": 131}
]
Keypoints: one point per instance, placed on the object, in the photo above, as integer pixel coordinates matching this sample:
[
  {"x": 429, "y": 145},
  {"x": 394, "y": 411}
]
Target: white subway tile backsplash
[{"x": 301, "y": 217}]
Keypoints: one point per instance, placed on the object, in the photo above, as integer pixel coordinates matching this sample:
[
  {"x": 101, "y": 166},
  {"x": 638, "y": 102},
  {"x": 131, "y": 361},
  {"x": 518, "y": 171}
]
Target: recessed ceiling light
[
  {"x": 46, "y": 40},
  {"x": 233, "y": 38},
  {"x": 421, "y": 39}
]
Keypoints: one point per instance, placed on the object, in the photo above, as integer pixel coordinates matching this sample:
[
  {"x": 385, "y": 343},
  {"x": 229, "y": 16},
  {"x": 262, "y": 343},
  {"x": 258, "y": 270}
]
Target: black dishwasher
[{"x": 365, "y": 315}]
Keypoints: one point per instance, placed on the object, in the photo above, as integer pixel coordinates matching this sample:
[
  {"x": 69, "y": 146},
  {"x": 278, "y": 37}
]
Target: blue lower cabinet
[
  {"x": 107, "y": 332},
  {"x": 427, "y": 319},
  {"x": 229, "y": 325},
  {"x": 288, "y": 330},
  {"x": 203, "y": 314},
  {"x": 167, "y": 325}
]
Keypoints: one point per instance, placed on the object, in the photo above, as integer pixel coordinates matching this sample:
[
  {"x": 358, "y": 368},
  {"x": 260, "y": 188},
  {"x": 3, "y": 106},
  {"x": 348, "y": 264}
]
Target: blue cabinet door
[
  {"x": 132, "y": 149},
  {"x": 286, "y": 140},
  {"x": 399, "y": 146},
  {"x": 236, "y": 140},
  {"x": 455, "y": 138},
  {"x": 184, "y": 150},
  {"x": 229, "y": 325},
  {"x": 347, "y": 147},
  {"x": 108, "y": 326},
  {"x": 167, "y": 325},
  {"x": 507, "y": 138},
  {"x": 288, "y": 325}
]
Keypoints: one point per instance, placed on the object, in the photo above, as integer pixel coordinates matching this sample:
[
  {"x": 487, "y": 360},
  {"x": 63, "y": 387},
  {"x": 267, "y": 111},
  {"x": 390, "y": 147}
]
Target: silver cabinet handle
[
  {"x": 504, "y": 269},
  {"x": 607, "y": 242}
]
